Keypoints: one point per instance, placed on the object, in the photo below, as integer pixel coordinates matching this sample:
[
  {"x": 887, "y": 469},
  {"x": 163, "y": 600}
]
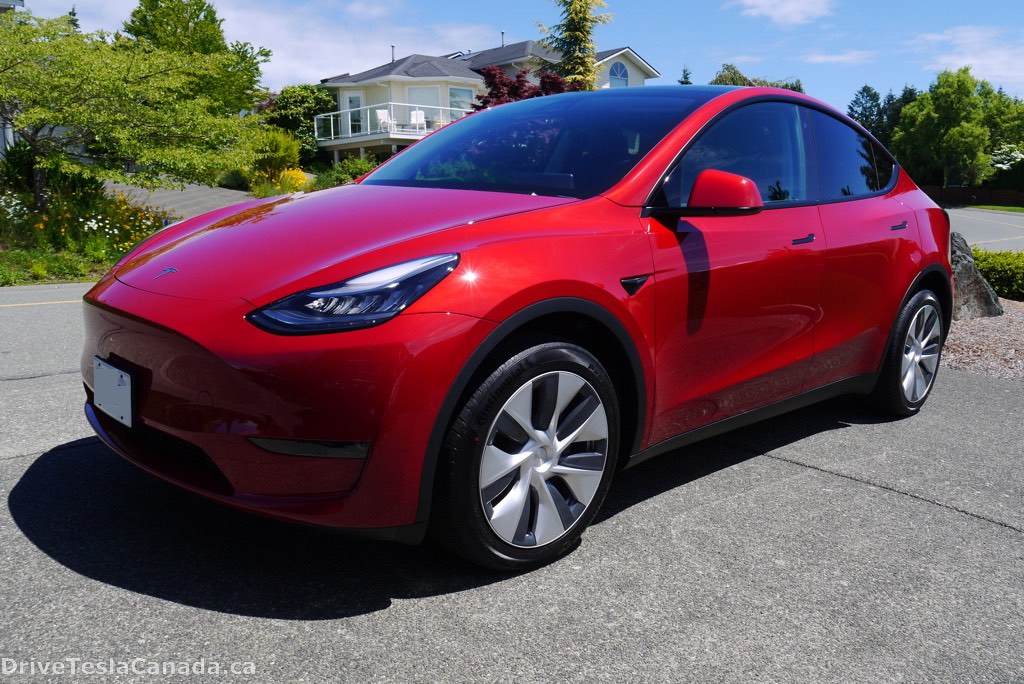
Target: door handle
[
  {"x": 804, "y": 240},
  {"x": 899, "y": 226}
]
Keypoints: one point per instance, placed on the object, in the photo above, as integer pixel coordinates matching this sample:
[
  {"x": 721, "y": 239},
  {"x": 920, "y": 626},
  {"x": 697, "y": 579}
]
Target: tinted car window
[
  {"x": 764, "y": 142},
  {"x": 572, "y": 145},
  {"x": 849, "y": 165}
]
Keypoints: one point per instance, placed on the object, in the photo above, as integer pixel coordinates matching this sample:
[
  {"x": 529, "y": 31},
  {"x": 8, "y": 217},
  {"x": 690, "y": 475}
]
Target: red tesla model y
[{"x": 472, "y": 340}]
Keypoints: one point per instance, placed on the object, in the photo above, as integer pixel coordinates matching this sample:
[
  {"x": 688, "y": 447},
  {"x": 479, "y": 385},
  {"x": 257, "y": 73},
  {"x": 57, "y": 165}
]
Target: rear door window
[{"x": 849, "y": 164}]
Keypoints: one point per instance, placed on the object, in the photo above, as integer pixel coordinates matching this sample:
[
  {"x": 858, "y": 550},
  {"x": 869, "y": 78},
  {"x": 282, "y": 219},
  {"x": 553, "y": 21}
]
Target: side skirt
[{"x": 860, "y": 384}]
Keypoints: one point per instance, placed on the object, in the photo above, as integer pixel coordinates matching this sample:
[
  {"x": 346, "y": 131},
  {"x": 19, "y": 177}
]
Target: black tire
[
  {"x": 911, "y": 361},
  {"x": 510, "y": 500}
]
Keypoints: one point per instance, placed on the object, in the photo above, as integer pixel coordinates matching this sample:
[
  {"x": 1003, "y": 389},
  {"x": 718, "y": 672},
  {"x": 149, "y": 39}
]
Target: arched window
[{"x": 619, "y": 75}]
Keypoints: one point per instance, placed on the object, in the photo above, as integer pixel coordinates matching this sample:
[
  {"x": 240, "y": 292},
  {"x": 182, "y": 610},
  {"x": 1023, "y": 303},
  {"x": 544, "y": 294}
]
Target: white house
[{"x": 384, "y": 109}]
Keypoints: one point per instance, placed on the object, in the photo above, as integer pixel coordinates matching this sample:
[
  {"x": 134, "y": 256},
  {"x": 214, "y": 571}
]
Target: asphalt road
[
  {"x": 992, "y": 230},
  {"x": 823, "y": 546}
]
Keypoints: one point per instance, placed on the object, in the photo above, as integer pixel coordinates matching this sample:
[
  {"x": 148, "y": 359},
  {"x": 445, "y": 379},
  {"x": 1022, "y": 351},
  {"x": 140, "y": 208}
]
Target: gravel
[{"x": 990, "y": 346}]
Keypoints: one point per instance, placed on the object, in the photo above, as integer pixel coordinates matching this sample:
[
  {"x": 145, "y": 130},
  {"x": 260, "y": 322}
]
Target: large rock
[{"x": 974, "y": 297}]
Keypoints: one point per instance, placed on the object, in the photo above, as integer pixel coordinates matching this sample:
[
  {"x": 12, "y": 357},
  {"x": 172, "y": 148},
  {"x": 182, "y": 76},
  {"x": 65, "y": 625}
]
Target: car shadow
[
  {"x": 105, "y": 519},
  {"x": 687, "y": 464}
]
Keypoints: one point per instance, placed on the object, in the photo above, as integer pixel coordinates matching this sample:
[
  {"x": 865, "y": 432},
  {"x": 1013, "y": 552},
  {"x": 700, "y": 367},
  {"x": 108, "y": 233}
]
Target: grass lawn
[{"x": 38, "y": 266}]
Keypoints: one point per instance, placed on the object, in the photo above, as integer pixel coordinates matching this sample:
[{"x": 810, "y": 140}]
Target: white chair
[
  {"x": 418, "y": 120},
  {"x": 384, "y": 120}
]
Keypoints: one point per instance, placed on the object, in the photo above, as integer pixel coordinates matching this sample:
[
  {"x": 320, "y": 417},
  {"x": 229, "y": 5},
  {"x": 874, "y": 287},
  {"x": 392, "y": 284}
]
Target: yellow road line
[{"x": 66, "y": 301}]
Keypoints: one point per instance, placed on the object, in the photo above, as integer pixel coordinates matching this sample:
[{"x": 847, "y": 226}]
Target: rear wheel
[
  {"x": 912, "y": 360},
  {"x": 528, "y": 460}
]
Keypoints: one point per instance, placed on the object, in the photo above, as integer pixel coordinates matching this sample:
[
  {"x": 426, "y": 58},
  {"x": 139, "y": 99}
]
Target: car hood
[{"x": 266, "y": 246}]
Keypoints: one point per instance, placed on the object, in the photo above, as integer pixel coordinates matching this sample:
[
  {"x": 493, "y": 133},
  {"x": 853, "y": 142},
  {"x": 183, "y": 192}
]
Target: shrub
[
  {"x": 16, "y": 174},
  {"x": 345, "y": 171},
  {"x": 1003, "y": 270},
  {"x": 234, "y": 180},
  {"x": 276, "y": 151}
]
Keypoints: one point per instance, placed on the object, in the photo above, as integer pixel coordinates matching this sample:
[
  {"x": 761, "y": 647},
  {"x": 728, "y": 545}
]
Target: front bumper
[{"x": 205, "y": 382}]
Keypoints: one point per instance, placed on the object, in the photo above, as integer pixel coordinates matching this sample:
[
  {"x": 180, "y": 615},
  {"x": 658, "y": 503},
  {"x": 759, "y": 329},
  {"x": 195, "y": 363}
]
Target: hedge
[{"x": 1004, "y": 271}]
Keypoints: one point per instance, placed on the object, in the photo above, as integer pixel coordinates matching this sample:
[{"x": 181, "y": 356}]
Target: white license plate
[{"x": 112, "y": 391}]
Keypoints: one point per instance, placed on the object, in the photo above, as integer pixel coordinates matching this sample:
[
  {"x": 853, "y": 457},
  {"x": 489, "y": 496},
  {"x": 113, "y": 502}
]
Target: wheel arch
[
  {"x": 578, "y": 321},
  {"x": 936, "y": 279}
]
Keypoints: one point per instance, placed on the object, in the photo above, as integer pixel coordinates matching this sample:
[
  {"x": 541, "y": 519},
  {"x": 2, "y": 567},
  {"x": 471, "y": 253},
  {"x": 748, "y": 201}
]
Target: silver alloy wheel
[
  {"x": 544, "y": 459},
  {"x": 921, "y": 353}
]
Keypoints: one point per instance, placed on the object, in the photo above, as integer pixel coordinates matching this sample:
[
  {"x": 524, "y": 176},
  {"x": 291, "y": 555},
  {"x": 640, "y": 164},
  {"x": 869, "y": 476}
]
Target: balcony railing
[{"x": 389, "y": 120}]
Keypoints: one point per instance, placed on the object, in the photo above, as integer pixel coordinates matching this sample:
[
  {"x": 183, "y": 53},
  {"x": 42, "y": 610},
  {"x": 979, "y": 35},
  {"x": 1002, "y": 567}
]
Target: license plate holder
[{"x": 112, "y": 391}]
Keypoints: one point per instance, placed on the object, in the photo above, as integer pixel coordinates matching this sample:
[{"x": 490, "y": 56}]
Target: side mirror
[
  {"x": 716, "y": 193},
  {"x": 725, "y": 193}
]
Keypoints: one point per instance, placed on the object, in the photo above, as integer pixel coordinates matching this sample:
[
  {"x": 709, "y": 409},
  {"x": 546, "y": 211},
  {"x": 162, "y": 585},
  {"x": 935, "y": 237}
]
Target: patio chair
[
  {"x": 418, "y": 120},
  {"x": 384, "y": 120}
]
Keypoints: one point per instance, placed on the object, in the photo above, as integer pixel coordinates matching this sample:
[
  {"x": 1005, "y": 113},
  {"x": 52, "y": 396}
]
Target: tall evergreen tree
[
  {"x": 866, "y": 109},
  {"x": 892, "y": 109},
  {"x": 573, "y": 39}
]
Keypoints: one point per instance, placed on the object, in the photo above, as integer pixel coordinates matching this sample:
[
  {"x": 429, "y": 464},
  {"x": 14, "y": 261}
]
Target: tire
[
  {"x": 528, "y": 459},
  {"x": 912, "y": 359}
]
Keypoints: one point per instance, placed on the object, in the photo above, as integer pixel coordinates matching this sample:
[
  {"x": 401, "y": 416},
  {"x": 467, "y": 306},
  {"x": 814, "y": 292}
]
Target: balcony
[{"x": 383, "y": 123}]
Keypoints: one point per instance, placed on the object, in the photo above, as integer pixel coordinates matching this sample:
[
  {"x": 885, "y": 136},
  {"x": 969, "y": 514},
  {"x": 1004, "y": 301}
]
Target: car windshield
[{"x": 572, "y": 145}]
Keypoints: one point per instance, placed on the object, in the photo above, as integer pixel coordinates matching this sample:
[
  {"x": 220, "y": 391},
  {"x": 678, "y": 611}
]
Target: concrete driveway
[{"x": 823, "y": 546}]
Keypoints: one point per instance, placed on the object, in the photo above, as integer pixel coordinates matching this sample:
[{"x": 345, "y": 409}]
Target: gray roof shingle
[{"x": 414, "y": 66}]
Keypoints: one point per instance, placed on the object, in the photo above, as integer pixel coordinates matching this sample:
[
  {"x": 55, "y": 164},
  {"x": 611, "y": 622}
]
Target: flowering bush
[
  {"x": 95, "y": 226},
  {"x": 288, "y": 181}
]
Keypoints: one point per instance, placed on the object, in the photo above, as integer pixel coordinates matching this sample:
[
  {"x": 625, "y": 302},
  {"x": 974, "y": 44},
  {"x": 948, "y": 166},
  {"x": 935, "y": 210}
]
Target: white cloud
[
  {"x": 310, "y": 40},
  {"x": 786, "y": 13},
  {"x": 371, "y": 10},
  {"x": 309, "y": 47},
  {"x": 744, "y": 59},
  {"x": 848, "y": 58},
  {"x": 994, "y": 54}
]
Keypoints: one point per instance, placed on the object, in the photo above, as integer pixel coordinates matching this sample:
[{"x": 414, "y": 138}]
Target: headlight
[{"x": 360, "y": 302}]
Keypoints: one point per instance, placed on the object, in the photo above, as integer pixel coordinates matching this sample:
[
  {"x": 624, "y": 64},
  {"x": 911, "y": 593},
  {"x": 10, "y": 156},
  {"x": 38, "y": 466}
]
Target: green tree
[
  {"x": 866, "y": 109},
  {"x": 730, "y": 74},
  {"x": 686, "y": 79},
  {"x": 193, "y": 27},
  {"x": 294, "y": 110},
  {"x": 892, "y": 109},
  {"x": 948, "y": 133},
  {"x": 86, "y": 104},
  {"x": 573, "y": 39},
  {"x": 178, "y": 25}
]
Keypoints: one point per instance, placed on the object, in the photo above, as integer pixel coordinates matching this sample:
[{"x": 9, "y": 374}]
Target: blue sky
[{"x": 833, "y": 46}]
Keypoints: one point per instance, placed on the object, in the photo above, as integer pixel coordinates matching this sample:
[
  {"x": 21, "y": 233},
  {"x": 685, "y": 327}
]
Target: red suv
[{"x": 473, "y": 339}]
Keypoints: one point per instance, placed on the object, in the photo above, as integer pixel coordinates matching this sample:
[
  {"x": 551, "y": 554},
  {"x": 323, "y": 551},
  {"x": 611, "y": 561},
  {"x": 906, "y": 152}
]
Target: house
[
  {"x": 382, "y": 110},
  {"x": 10, "y": 4}
]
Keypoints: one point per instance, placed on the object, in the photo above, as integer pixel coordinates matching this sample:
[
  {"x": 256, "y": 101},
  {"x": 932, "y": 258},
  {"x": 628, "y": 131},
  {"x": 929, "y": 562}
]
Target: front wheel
[
  {"x": 528, "y": 460},
  {"x": 912, "y": 359}
]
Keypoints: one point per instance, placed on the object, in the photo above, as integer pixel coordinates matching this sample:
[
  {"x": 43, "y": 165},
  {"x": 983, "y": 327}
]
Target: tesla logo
[{"x": 166, "y": 271}]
